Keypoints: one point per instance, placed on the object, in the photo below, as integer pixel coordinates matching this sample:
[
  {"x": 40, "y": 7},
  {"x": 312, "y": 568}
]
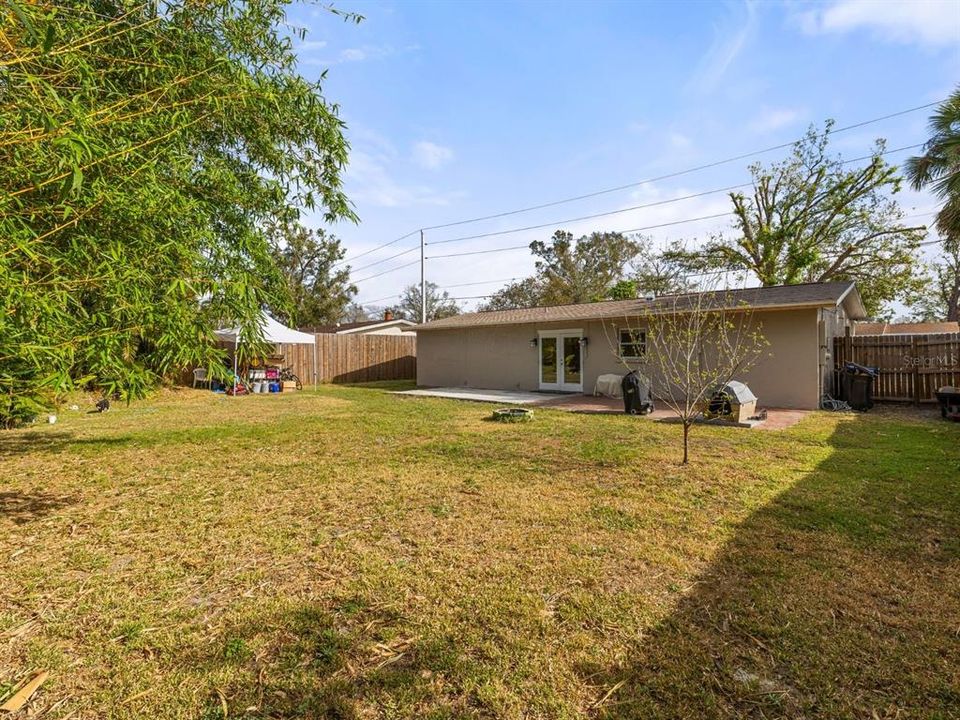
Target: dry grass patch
[{"x": 352, "y": 554}]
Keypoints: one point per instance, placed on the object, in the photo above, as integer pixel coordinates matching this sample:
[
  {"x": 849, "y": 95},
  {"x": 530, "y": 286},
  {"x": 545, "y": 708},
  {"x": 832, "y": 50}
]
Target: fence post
[{"x": 916, "y": 370}]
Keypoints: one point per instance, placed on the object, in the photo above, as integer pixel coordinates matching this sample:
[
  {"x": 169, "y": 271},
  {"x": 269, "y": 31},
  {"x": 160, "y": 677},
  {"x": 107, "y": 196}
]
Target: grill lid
[{"x": 737, "y": 391}]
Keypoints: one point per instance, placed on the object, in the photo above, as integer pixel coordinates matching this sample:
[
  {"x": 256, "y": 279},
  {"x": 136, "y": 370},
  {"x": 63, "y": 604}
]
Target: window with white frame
[{"x": 633, "y": 344}]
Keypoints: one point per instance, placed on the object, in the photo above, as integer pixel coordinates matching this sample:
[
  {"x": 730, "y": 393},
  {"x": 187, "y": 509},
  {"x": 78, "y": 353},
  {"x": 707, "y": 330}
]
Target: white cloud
[
  {"x": 430, "y": 155},
  {"x": 770, "y": 119},
  {"x": 353, "y": 55},
  {"x": 369, "y": 181},
  {"x": 730, "y": 38},
  {"x": 679, "y": 141},
  {"x": 369, "y": 140},
  {"x": 359, "y": 54},
  {"x": 927, "y": 22},
  {"x": 312, "y": 45}
]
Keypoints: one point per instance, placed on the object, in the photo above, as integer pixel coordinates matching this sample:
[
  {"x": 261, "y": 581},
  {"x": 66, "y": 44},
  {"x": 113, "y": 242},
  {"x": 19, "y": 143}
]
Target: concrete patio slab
[
  {"x": 777, "y": 418},
  {"x": 503, "y": 397}
]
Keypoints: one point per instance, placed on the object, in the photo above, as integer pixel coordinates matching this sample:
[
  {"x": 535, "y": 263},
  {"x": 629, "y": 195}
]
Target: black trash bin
[
  {"x": 856, "y": 385},
  {"x": 636, "y": 394}
]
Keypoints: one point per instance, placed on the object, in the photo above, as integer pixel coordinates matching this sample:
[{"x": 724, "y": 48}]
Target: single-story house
[
  {"x": 388, "y": 326},
  {"x": 917, "y": 328},
  {"x": 565, "y": 348}
]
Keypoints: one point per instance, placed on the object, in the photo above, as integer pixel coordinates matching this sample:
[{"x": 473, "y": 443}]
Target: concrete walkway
[{"x": 503, "y": 397}]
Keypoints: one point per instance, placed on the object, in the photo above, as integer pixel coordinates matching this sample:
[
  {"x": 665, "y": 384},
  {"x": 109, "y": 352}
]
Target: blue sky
[{"x": 464, "y": 109}]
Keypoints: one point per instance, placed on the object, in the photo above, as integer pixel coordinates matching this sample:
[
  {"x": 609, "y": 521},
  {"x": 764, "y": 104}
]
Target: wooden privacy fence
[
  {"x": 354, "y": 358},
  {"x": 912, "y": 367}
]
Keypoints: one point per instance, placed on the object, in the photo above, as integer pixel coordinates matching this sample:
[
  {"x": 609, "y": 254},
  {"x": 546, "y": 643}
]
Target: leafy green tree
[
  {"x": 143, "y": 149},
  {"x": 586, "y": 270},
  {"x": 661, "y": 273},
  {"x": 939, "y": 298},
  {"x": 582, "y": 270},
  {"x": 439, "y": 304},
  {"x": 623, "y": 290},
  {"x": 357, "y": 313},
  {"x": 320, "y": 294},
  {"x": 518, "y": 294},
  {"x": 810, "y": 218}
]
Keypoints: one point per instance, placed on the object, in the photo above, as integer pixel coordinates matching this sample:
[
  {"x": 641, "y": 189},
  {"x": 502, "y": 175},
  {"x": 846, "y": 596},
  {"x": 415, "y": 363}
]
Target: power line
[
  {"x": 378, "y": 262},
  {"x": 645, "y": 205},
  {"x": 615, "y": 212},
  {"x": 679, "y": 173},
  {"x": 638, "y": 229},
  {"x": 591, "y": 217},
  {"x": 378, "y": 247},
  {"x": 481, "y": 282},
  {"x": 388, "y": 297},
  {"x": 677, "y": 222},
  {"x": 376, "y": 275},
  {"x": 726, "y": 214},
  {"x": 449, "y": 287},
  {"x": 708, "y": 273},
  {"x": 479, "y": 252},
  {"x": 630, "y": 230}
]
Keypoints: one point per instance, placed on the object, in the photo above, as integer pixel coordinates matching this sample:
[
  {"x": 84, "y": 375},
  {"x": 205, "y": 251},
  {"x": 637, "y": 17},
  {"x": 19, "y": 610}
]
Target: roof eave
[
  {"x": 850, "y": 298},
  {"x": 374, "y": 326},
  {"x": 614, "y": 316}
]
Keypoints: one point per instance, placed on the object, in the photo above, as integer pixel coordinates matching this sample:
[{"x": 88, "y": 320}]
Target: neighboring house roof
[
  {"x": 356, "y": 327},
  {"x": 921, "y": 328},
  {"x": 828, "y": 294}
]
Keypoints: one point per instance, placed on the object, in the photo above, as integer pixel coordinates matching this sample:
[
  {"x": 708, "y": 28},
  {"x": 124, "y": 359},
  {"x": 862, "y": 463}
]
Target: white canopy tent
[{"x": 273, "y": 332}]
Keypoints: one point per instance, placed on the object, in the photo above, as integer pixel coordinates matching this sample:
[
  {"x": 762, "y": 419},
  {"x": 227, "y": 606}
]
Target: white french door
[{"x": 561, "y": 360}]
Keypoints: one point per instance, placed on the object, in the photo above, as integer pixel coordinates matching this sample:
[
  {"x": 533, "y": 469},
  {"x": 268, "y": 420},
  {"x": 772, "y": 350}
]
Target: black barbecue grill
[{"x": 637, "y": 399}]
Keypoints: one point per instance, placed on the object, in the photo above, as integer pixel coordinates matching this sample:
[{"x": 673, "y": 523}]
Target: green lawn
[{"x": 354, "y": 554}]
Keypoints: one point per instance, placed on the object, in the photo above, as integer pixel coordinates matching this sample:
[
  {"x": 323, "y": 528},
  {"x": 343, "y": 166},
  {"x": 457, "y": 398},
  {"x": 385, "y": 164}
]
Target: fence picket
[
  {"x": 912, "y": 367},
  {"x": 354, "y": 358}
]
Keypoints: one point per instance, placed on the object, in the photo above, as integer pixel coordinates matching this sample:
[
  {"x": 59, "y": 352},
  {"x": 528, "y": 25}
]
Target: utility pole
[{"x": 423, "y": 284}]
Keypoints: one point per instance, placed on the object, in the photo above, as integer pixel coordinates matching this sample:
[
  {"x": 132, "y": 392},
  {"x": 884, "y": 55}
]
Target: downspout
[
  {"x": 825, "y": 342},
  {"x": 821, "y": 354}
]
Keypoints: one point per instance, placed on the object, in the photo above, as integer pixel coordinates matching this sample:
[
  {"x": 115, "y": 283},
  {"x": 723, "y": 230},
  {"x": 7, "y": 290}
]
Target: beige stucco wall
[{"x": 500, "y": 357}]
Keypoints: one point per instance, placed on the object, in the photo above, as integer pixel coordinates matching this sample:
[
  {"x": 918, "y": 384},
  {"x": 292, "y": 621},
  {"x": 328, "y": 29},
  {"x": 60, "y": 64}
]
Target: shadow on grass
[
  {"x": 390, "y": 385},
  {"x": 838, "y": 599},
  {"x": 17, "y": 444},
  {"x": 22, "y": 507},
  {"x": 841, "y": 598}
]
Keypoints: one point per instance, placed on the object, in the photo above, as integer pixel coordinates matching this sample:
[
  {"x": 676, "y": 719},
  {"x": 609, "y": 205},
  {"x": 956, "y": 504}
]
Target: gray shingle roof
[
  {"x": 919, "y": 328},
  {"x": 341, "y": 327},
  {"x": 780, "y": 296}
]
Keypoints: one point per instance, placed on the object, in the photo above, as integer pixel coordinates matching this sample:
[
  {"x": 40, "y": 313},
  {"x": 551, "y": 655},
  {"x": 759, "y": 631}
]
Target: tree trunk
[
  {"x": 686, "y": 441},
  {"x": 953, "y": 303}
]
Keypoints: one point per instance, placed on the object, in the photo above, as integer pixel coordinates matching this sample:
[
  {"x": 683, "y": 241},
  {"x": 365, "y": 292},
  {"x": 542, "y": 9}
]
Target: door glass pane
[
  {"x": 548, "y": 360},
  {"x": 571, "y": 360}
]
